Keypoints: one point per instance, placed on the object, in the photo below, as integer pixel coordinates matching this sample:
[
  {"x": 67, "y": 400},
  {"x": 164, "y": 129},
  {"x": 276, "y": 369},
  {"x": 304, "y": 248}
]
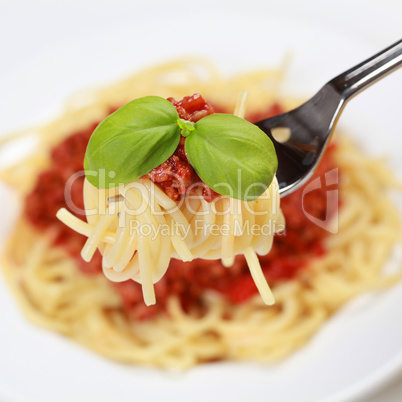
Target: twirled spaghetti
[
  {"x": 136, "y": 247},
  {"x": 191, "y": 231}
]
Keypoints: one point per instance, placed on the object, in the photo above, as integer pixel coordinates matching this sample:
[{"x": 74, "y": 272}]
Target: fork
[{"x": 310, "y": 126}]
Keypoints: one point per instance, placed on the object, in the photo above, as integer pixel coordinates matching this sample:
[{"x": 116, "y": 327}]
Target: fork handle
[{"x": 358, "y": 78}]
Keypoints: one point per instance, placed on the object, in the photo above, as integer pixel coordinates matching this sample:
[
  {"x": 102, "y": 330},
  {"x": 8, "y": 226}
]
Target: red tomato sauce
[
  {"x": 301, "y": 242},
  {"x": 176, "y": 177}
]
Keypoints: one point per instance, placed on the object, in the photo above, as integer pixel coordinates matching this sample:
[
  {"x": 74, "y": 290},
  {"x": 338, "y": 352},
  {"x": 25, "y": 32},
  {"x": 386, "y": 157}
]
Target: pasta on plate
[{"x": 330, "y": 251}]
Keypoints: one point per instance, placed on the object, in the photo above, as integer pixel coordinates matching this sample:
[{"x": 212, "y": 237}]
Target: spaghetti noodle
[{"x": 55, "y": 294}]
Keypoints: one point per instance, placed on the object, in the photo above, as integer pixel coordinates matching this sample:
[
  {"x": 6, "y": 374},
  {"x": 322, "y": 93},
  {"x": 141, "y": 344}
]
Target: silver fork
[{"x": 311, "y": 125}]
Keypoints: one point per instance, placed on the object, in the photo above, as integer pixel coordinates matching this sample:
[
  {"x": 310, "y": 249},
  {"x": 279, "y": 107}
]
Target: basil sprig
[{"x": 232, "y": 156}]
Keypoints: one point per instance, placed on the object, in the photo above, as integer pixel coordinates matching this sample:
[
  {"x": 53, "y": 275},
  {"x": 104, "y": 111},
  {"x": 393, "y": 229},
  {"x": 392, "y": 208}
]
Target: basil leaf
[
  {"x": 186, "y": 127},
  {"x": 232, "y": 156},
  {"x": 132, "y": 141}
]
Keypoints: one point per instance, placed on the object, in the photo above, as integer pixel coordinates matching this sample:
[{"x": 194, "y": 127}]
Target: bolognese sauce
[{"x": 176, "y": 177}]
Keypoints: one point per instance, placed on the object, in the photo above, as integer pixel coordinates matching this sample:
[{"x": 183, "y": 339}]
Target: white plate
[{"x": 355, "y": 352}]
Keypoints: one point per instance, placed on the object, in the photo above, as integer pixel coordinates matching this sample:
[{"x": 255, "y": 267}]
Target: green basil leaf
[
  {"x": 186, "y": 127},
  {"x": 132, "y": 141},
  {"x": 232, "y": 156}
]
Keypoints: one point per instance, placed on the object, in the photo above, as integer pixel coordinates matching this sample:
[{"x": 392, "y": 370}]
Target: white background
[{"x": 31, "y": 31}]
